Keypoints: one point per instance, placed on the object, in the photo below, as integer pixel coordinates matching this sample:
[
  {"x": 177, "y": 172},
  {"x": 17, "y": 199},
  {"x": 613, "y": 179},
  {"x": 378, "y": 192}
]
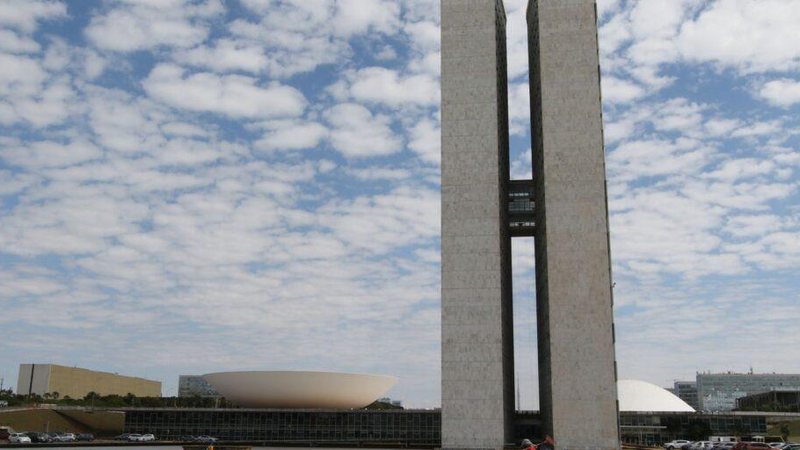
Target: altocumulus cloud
[{"x": 193, "y": 186}]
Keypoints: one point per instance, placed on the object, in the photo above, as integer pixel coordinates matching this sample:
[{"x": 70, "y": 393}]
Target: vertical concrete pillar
[
  {"x": 577, "y": 368},
  {"x": 477, "y": 341}
]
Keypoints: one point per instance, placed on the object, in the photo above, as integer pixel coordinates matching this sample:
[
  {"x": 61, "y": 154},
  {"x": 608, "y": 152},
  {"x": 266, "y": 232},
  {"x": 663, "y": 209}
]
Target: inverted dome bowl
[{"x": 297, "y": 389}]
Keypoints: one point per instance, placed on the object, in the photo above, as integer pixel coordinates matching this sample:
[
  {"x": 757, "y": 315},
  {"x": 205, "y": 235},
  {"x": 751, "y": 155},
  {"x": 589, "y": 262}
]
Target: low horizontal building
[
  {"x": 404, "y": 428},
  {"x": 772, "y": 401},
  {"x": 74, "y": 382}
]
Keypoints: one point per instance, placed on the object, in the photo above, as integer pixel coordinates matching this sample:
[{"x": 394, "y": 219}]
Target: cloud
[
  {"x": 616, "y": 90},
  {"x": 51, "y": 154},
  {"x": 226, "y": 56},
  {"x": 291, "y": 135},
  {"x": 784, "y": 92},
  {"x": 357, "y": 133},
  {"x": 425, "y": 140},
  {"x": 386, "y": 86},
  {"x": 24, "y": 14},
  {"x": 232, "y": 95},
  {"x": 127, "y": 27},
  {"x": 749, "y": 35},
  {"x": 14, "y": 43}
]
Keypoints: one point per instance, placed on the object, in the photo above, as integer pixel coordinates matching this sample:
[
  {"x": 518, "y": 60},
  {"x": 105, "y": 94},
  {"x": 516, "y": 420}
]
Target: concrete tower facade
[
  {"x": 482, "y": 209},
  {"x": 577, "y": 366},
  {"x": 477, "y": 341}
]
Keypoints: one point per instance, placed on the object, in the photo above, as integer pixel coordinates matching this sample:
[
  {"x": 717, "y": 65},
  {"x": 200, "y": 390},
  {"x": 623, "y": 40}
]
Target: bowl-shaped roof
[
  {"x": 640, "y": 396},
  {"x": 297, "y": 389}
]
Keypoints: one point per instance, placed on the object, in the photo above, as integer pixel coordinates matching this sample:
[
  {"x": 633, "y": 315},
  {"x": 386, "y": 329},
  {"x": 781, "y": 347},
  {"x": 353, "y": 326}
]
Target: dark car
[
  {"x": 38, "y": 438},
  {"x": 53, "y": 436},
  {"x": 744, "y": 445},
  {"x": 205, "y": 439},
  {"x": 4, "y": 434},
  {"x": 122, "y": 437},
  {"x": 186, "y": 438},
  {"x": 86, "y": 437}
]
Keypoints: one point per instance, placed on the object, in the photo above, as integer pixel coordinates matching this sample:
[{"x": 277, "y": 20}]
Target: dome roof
[
  {"x": 640, "y": 396},
  {"x": 297, "y": 389}
]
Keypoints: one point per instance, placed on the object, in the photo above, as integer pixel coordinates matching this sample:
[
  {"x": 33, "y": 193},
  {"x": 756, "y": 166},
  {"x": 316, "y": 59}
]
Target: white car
[
  {"x": 676, "y": 444},
  {"x": 18, "y": 438},
  {"x": 134, "y": 437},
  {"x": 702, "y": 445},
  {"x": 65, "y": 437},
  {"x": 147, "y": 438}
]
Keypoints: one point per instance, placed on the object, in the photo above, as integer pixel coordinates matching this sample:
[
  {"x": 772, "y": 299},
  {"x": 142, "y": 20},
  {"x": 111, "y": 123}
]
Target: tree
[{"x": 785, "y": 431}]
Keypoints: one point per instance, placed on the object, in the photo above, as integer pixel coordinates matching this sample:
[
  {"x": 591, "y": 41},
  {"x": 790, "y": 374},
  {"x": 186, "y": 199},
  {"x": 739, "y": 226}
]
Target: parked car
[
  {"x": 702, "y": 445},
  {"x": 187, "y": 438},
  {"x": 38, "y": 438},
  {"x": 147, "y": 438},
  {"x": 723, "y": 446},
  {"x": 205, "y": 439},
  {"x": 122, "y": 437},
  {"x": 746, "y": 445},
  {"x": 777, "y": 444},
  {"x": 676, "y": 444},
  {"x": 4, "y": 433},
  {"x": 86, "y": 437},
  {"x": 52, "y": 436},
  {"x": 134, "y": 437},
  {"x": 18, "y": 438},
  {"x": 65, "y": 437}
]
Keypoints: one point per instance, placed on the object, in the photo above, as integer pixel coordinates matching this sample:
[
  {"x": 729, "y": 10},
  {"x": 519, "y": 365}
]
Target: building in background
[
  {"x": 196, "y": 386},
  {"x": 686, "y": 391},
  {"x": 73, "y": 382},
  {"x": 719, "y": 391},
  {"x": 772, "y": 401}
]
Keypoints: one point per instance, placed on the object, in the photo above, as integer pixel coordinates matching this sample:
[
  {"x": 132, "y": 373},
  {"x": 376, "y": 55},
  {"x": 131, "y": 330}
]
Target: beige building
[{"x": 41, "y": 379}]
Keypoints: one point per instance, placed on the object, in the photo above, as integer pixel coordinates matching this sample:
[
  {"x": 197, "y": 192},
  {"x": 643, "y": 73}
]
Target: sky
[{"x": 198, "y": 186}]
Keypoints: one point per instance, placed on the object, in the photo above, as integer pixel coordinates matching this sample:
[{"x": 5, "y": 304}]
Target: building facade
[
  {"x": 420, "y": 428},
  {"x": 402, "y": 428},
  {"x": 563, "y": 207},
  {"x": 773, "y": 401},
  {"x": 687, "y": 391},
  {"x": 195, "y": 386},
  {"x": 719, "y": 391},
  {"x": 73, "y": 382}
]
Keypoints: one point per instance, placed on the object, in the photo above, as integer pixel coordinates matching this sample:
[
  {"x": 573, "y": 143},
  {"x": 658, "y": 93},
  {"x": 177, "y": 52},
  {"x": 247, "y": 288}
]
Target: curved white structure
[
  {"x": 640, "y": 396},
  {"x": 297, "y": 389}
]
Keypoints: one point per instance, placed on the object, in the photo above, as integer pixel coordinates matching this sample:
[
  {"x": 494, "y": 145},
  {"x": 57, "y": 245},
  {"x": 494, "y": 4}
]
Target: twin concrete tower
[{"x": 564, "y": 207}]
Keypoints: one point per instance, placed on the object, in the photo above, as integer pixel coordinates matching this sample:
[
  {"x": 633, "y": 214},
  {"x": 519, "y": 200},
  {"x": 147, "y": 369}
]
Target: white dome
[
  {"x": 640, "y": 396},
  {"x": 296, "y": 389}
]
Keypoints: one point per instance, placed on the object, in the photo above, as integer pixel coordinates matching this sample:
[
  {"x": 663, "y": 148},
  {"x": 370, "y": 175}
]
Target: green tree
[{"x": 785, "y": 431}]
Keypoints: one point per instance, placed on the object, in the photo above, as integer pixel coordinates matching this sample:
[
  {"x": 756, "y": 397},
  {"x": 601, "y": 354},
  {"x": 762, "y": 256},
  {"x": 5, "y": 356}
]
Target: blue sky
[{"x": 189, "y": 187}]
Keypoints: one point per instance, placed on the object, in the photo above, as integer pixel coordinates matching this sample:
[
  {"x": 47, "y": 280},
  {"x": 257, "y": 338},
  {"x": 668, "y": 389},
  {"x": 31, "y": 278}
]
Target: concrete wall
[
  {"x": 577, "y": 369},
  {"x": 477, "y": 353},
  {"x": 76, "y": 383},
  {"x": 33, "y": 379},
  {"x": 101, "y": 423}
]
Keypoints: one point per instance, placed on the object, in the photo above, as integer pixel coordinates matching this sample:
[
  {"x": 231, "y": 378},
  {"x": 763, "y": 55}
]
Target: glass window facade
[
  {"x": 401, "y": 428},
  {"x": 396, "y": 427},
  {"x": 719, "y": 391},
  {"x": 195, "y": 386}
]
